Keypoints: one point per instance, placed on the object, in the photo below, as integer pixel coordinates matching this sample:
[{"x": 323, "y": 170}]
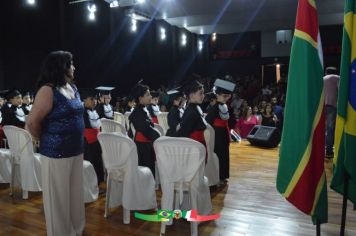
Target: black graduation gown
[
  {"x": 144, "y": 137},
  {"x": 12, "y": 115},
  {"x": 192, "y": 123},
  {"x": 26, "y": 108},
  {"x": 92, "y": 149},
  {"x": 173, "y": 119},
  {"x": 216, "y": 117},
  {"x": 105, "y": 111},
  {"x": 152, "y": 109}
]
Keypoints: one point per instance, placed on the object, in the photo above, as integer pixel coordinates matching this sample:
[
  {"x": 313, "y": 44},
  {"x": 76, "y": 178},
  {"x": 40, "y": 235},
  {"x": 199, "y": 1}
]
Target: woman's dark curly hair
[{"x": 54, "y": 69}]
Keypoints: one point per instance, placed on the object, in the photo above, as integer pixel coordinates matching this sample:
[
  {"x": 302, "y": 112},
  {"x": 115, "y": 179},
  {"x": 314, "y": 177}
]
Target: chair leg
[
  {"x": 108, "y": 191},
  {"x": 24, "y": 194},
  {"x": 193, "y": 224},
  {"x": 126, "y": 216},
  {"x": 12, "y": 184},
  {"x": 163, "y": 228}
]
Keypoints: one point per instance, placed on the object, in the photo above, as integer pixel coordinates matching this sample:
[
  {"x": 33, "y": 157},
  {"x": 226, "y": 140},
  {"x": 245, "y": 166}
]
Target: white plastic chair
[
  {"x": 120, "y": 118},
  {"x": 212, "y": 166},
  {"x": 90, "y": 182},
  {"x": 5, "y": 165},
  {"x": 22, "y": 156},
  {"x": 160, "y": 129},
  {"x": 181, "y": 163},
  {"x": 127, "y": 122},
  {"x": 112, "y": 126},
  {"x": 163, "y": 121},
  {"x": 128, "y": 184}
]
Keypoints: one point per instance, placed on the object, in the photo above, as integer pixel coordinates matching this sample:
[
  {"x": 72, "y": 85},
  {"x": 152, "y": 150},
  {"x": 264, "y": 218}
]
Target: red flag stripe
[
  {"x": 307, "y": 19},
  {"x": 314, "y": 170}
]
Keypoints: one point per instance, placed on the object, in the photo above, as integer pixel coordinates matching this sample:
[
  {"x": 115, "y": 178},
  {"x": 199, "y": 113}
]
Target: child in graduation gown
[
  {"x": 12, "y": 112},
  {"x": 92, "y": 149},
  {"x": 218, "y": 117},
  {"x": 153, "y": 108},
  {"x": 193, "y": 123},
  {"x": 104, "y": 109},
  {"x": 145, "y": 133},
  {"x": 174, "y": 116}
]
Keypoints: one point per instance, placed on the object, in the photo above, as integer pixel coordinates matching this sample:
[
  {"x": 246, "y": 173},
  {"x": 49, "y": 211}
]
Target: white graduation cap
[
  {"x": 104, "y": 90},
  {"x": 224, "y": 86}
]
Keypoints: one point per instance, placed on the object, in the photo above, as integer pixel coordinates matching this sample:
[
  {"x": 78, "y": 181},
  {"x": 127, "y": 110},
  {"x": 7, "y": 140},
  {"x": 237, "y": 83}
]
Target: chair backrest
[
  {"x": 160, "y": 129},
  {"x": 126, "y": 115},
  {"x": 209, "y": 136},
  {"x": 120, "y": 118},
  {"x": 179, "y": 159},
  {"x": 112, "y": 126},
  {"x": 19, "y": 140},
  {"x": 163, "y": 121},
  {"x": 117, "y": 149}
]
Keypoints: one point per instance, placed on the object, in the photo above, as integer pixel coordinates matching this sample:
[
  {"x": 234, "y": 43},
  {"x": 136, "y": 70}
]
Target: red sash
[
  {"x": 222, "y": 124},
  {"x": 154, "y": 120},
  {"x": 198, "y": 135},
  {"x": 91, "y": 135},
  {"x": 139, "y": 137}
]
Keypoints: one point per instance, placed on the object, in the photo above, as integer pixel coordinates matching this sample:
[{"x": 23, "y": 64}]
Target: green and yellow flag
[
  {"x": 345, "y": 132},
  {"x": 301, "y": 178}
]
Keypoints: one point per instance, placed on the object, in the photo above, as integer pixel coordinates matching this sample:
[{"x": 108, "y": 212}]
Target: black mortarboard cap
[
  {"x": 3, "y": 93},
  {"x": 12, "y": 93},
  {"x": 87, "y": 92},
  {"x": 224, "y": 86},
  {"x": 154, "y": 94}
]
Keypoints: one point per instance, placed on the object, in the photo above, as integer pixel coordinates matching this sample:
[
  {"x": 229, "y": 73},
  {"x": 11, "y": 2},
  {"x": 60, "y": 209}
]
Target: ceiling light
[
  {"x": 114, "y": 3},
  {"x": 141, "y": 1},
  {"x": 200, "y": 45},
  {"x": 213, "y": 37},
  {"x": 201, "y": 31},
  {"x": 134, "y": 25},
  {"x": 163, "y": 33},
  {"x": 31, "y": 2},
  {"x": 92, "y": 10},
  {"x": 184, "y": 39}
]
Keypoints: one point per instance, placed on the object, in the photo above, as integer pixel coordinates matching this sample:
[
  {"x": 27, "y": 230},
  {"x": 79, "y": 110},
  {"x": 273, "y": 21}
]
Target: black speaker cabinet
[{"x": 264, "y": 136}]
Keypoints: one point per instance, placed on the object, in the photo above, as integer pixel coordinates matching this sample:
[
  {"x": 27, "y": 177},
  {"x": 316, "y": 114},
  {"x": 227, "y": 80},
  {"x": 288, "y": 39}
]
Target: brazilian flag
[{"x": 345, "y": 132}]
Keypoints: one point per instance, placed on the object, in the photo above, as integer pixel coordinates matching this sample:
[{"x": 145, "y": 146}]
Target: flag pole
[
  {"x": 344, "y": 205},
  {"x": 317, "y": 227}
]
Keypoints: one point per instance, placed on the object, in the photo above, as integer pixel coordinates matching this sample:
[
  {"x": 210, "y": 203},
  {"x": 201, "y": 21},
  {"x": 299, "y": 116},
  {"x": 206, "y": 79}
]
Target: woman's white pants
[{"x": 62, "y": 186}]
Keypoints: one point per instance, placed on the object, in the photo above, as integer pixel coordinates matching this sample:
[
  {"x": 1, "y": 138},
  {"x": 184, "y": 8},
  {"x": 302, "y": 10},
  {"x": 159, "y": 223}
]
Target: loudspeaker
[{"x": 264, "y": 136}]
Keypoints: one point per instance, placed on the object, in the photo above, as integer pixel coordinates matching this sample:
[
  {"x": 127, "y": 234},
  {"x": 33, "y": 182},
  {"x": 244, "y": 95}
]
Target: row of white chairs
[
  {"x": 181, "y": 164},
  {"x": 212, "y": 165},
  {"x": 21, "y": 167}
]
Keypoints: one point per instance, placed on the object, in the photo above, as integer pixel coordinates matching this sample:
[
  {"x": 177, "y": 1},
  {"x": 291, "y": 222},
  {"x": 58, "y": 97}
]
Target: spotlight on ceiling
[
  {"x": 31, "y": 2},
  {"x": 163, "y": 33},
  {"x": 184, "y": 39},
  {"x": 200, "y": 45},
  {"x": 213, "y": 37},
  {"x": 114, "y": 3},
  {"x": 92, "y": 10}
]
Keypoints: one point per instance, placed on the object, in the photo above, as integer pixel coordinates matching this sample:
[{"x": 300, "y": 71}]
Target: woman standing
[{"x": 56, "y": 119}]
